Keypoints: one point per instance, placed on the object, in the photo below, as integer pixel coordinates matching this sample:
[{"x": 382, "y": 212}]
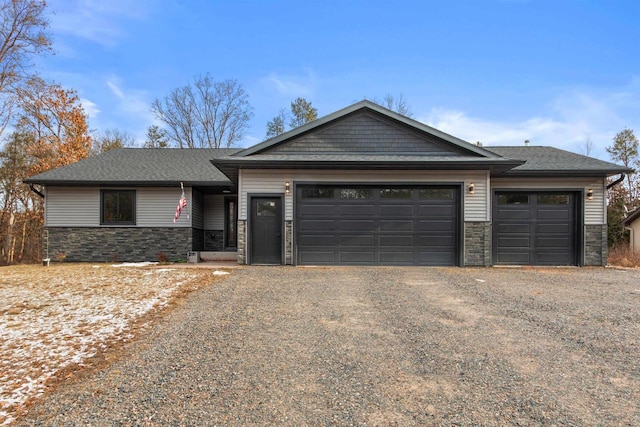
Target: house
[
  {"x": 361, "y": 186},
  {"x": 632, "y": 222}
]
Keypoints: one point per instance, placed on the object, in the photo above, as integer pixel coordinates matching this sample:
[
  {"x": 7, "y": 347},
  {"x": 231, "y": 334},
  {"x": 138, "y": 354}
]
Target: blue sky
[{"x": 498, "y": 71}]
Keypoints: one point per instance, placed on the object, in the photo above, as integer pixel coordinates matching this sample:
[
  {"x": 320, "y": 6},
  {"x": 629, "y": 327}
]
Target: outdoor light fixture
[
  {"x": 472, "y": 188},
  {"x": 287, "y": 187},
  {"x": 590, "y": 194}
]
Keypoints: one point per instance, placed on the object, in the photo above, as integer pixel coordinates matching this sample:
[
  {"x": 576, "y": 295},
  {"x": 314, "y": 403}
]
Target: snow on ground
[{"x": 56, "y": 317}]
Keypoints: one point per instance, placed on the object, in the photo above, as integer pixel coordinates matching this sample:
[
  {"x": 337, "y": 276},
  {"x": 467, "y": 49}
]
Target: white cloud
[
  {"x": 90, "y": 108},
  {"x": 572, "y": 117},
  {"x": 292, "y": 86},
  {"x": 113, "y": 86},
  {"x": 95, "y": 20}
]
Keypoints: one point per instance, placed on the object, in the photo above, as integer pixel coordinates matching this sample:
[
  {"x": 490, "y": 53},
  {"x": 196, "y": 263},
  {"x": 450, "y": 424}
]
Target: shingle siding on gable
[{"x": 363, "y": 133}]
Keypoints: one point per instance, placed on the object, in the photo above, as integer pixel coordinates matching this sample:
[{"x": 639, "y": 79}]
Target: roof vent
[
  {"x": 479, "y": 144},
  {"x": 526, "y": 142}
]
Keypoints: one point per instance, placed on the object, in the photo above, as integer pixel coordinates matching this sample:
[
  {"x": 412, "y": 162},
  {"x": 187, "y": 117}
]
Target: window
[
  {"x": 355, "y": 193},
  {"x": 396, "y": 193},
  {"x": 118, "y": 207},
  {"x": 231, "y": 219},
  {"x": 436, "y": 193},
  {"x": 513, "y": 199},
  {"x": 266, "y": 208},
  {"x": 317, "y": 193},
  {"x": 553, "y": 199}
]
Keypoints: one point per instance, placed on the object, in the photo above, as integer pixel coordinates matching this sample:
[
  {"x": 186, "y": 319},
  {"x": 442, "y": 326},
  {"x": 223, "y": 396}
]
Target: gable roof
[
  {"x": 551, "y": 161},
  {"x": 141, "y": 166},
  {"x": 632, "y": 217},
  {"x": 382, "y": 115}
]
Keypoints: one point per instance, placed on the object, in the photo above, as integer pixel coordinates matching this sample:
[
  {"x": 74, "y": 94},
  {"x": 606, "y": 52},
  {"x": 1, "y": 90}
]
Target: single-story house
[
  {"x": 632, "y": 222},
  {"x": 361, "y": 186}
]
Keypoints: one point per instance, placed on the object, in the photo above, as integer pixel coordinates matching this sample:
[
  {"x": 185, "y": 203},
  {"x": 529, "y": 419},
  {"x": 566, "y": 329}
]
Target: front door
[{"x": 266, "y": 230}]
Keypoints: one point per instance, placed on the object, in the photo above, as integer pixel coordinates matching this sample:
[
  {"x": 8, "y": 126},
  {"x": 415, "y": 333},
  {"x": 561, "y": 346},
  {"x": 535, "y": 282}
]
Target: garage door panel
[
  {"x": 356, "y": 225},
  {"x": 543, "y": 231},
  {"x": 546, "y": 214},
  {"x": 435, "y": 225},
  {"x": 317, "y": 225},
  {"x": 358, "y": 240},
  {"x": 310, "y": 256},
  {"x": 398, "y": 258},
  {"x": 396, "y": 240},
  {"x": 391, "y": 225},
  {"x": 436, "y": 240},
  {"x": 431, "y": 211},
  {"x": 316, "y": 210},
  {"x": 514, "y": 242},
  {"x": 562, "y": 228},
  {"x": 356, "y": 257},
  {"x": 396, "y": 225},
  {"x": 521, "y": 258},
  {"x": 356, "y": 210},
  {"x": 508, "y": 228},
  {"x": 396, "y": 211},
  {"x": 435, "y": 258},
  {"x": 514, "y": 214},
  {"x": 308, "y": 240}
]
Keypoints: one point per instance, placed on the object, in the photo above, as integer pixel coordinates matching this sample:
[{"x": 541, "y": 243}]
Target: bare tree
[
  {"x": 587, "y": 146},
  {"x": 111, "y": 139},
  {"x": 22, "y": 36},
  {"x": 397, "y": 104},
  {"x": 205, "y": 113}
]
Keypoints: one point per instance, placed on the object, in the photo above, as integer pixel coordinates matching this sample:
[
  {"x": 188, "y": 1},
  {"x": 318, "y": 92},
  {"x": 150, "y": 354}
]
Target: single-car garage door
[
  {"x": 534, "y": 228},
  {"x": 382, "y": 225}
]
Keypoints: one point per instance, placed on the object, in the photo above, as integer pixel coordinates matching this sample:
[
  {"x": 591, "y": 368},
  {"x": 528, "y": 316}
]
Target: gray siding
[
  {"x": 80, "y": 207},
  {"x": 72, "y": 207},
  {"x": 197, "y": 209},
  {"x": 213, "y": 212}
]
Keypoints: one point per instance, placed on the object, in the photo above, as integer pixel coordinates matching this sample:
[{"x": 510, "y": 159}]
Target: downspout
[
  {"x": 617, "y": 181},
  {"x": 36, "y": 191}
]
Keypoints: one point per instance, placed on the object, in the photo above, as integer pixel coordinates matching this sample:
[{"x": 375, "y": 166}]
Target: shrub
[
  {"x": 622, "y": 256},
  {"x": 162, "y": 258}
]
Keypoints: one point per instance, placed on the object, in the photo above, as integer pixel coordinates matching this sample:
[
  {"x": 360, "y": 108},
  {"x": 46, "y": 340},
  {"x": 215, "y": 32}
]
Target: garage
[
  {"x": 535, "y": 228},
  {"x": 377, "y": 225}
]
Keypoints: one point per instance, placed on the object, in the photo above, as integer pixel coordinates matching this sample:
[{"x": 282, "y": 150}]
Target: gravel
[{"x": 377, "y": 346}]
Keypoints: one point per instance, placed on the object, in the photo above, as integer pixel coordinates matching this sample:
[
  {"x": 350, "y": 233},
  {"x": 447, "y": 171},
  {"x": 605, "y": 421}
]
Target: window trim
[{"x": 118, "y": 223}]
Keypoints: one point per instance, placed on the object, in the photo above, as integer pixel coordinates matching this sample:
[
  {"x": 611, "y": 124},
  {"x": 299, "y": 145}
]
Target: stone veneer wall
[
  {"x": 288, "y": 242},
  {"x": 242, "y": 241},
  {"x": 113, "y": 244},
  {"x": 213, "y": 240},
  {"x": 596, "y": 251},
  {"x": 477, "y": 244}
]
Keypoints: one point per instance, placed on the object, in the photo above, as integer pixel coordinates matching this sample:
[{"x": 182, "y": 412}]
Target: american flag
[{"x": 181, "y": 205}]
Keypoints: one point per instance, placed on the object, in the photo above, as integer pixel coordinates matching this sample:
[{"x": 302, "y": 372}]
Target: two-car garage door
[{"x": 377, "y": 225}]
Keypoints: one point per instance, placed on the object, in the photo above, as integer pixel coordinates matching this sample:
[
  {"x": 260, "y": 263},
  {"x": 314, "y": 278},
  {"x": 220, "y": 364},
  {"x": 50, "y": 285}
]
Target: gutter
[
  {"x": 617, "y": 181},
  {"x": 36, "y": 191}
]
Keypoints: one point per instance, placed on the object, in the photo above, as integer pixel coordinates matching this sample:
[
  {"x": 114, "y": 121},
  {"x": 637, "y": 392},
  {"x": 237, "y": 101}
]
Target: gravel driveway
[{"x": 377, "y": 346}]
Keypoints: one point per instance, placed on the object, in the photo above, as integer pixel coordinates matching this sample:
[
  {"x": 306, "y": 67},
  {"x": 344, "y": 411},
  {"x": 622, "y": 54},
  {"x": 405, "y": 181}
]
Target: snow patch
[
  {"x": 135, "y": 264},
  {"x": 220, "y": 273}
]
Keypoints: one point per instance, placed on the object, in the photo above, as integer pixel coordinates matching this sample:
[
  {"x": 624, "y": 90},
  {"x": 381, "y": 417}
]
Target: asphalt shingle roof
[
  {"x": 141, "y": 166},
  {"x": 551, "y": 160}
]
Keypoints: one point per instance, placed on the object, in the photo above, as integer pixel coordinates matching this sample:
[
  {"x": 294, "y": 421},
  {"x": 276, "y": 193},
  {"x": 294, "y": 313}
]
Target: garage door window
[
  {"x": 317, "y": 193},
  {"x": 436, "y": 194},
  {"x": 396, "y": 193},
  {"x": 355, "y": 193},
  {"x": 553, "y": 199},
  {"x": 513, "y": 199}
]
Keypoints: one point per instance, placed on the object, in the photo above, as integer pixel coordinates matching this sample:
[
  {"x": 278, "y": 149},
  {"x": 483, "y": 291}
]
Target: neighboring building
[
  {"x": 632, "y": 222},
  {"x": 361, "y": 186}
]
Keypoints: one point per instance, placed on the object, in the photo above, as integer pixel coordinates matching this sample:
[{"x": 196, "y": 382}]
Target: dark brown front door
[{"x": 266, "y": 230}]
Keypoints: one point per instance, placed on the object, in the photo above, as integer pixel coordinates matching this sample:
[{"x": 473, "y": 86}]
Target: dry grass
[
  {"x": 54, "y": 320},
  {"x": 622, "y": 256}
]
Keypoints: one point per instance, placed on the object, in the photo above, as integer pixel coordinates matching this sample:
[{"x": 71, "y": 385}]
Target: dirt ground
[{"x": 376, "y": 346}]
